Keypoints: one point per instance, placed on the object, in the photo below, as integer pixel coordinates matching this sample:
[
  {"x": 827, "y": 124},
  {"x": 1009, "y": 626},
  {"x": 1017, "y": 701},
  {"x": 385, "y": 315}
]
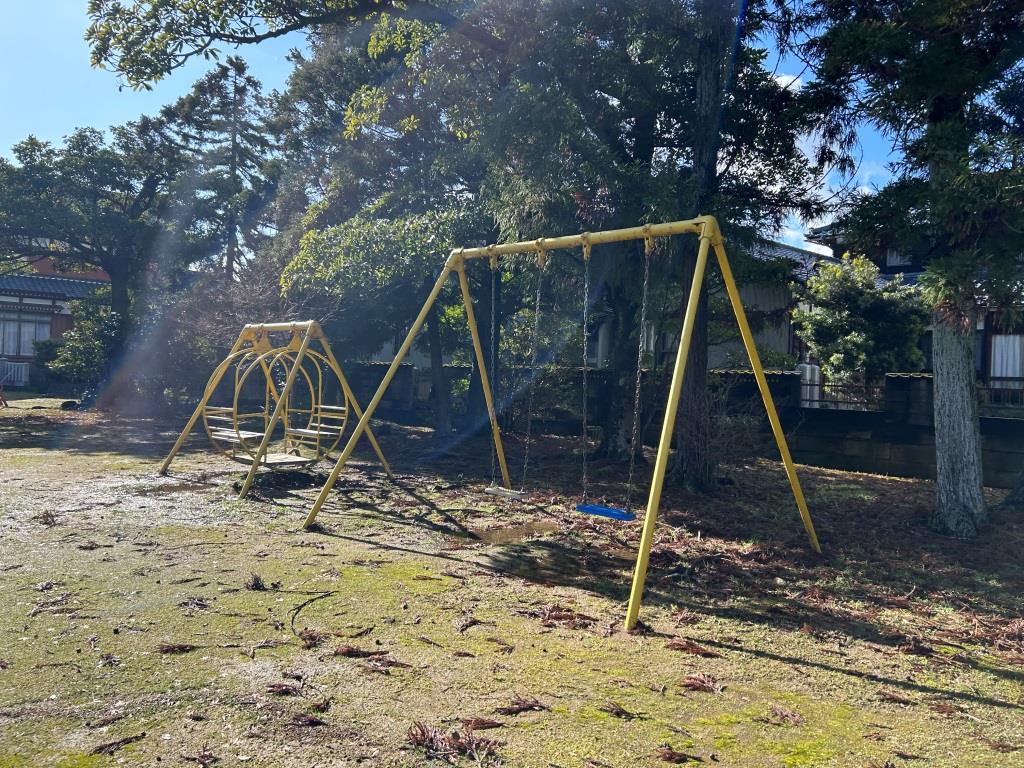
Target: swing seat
[
  {"x": 613, "y": 512},
  {"x": 505, "y": 493}
]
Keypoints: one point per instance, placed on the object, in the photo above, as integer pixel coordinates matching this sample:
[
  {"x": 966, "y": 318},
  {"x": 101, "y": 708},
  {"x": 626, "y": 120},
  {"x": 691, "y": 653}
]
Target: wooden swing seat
[
  {"x": 236, "y": 437},
  {"x": 277, "y": 460},
  {"x": 321, "y": 432},
  {"x": 506, "y": 493}
]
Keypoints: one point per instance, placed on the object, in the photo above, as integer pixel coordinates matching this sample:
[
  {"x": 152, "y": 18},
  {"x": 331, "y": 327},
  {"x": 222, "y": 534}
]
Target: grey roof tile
[{"x": 45, "y": 286}]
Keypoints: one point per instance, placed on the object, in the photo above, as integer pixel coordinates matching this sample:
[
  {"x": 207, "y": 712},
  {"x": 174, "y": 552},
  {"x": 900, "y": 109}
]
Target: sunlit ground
[{"x": 152, "y": 620}]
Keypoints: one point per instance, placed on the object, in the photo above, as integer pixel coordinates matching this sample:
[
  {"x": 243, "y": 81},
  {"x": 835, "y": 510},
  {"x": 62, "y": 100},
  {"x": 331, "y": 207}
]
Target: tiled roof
[
  {"x": 804, "y": 261},
  {"x": 41, "y": 286}
]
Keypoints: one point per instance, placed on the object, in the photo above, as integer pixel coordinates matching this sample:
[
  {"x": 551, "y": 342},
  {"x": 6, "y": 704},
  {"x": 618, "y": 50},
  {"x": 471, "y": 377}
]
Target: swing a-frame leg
[{"x": 710, "y": 236}]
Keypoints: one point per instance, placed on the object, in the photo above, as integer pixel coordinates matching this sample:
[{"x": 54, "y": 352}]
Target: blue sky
[{"x": 48, "y": 87}]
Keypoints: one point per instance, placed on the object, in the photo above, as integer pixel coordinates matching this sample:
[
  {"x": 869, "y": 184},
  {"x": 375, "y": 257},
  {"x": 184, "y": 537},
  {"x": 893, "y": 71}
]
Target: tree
[
  {"x": 90, "y": 202},
  {"x": 597, "y": 131},
  {"x": 942, "y": 79},
  {"x": 857, "y": 329},
  {"x": 146, "y": 41},
  {"x": 374, "y": 274},
  {"x": 220, "y": 126},
  {"x": 588, "y": 122}
]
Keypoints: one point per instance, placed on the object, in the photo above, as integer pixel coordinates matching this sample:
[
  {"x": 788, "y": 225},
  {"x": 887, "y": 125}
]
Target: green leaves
[{"x": 858, "y": 327}]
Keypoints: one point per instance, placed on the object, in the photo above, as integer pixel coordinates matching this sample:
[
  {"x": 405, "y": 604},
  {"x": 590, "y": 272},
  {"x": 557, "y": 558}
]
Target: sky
[{"x": 48, "y": 87}]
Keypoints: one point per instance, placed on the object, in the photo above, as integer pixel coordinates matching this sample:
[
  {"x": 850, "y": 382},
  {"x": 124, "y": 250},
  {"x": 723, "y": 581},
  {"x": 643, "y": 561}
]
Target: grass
[{"x": 129, "y": 606}]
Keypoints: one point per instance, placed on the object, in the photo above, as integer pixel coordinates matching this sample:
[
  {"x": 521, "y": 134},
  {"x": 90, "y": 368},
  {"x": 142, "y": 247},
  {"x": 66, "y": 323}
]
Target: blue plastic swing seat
[{"x": 613, "y": 512}]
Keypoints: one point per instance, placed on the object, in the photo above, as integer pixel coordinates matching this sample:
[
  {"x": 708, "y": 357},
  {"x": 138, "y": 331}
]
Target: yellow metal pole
[
  {"x": 282, "y": 405},
  {"x": 665, "y": 443},
  {"x": 364, "y": 421},
  {"x": 211, "y": 385},
  {"x": 766, "y": 395},
  {"x": 350, "y": 395},
  {"x": 484, "y": 381}
]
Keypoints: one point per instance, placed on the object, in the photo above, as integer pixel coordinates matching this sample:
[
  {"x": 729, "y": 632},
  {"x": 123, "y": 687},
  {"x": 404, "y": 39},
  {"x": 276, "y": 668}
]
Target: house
[
  {"x": 998, "y": 348},
  {"x": 34, "y": 306},
  {"x": 771, "y": 303}
]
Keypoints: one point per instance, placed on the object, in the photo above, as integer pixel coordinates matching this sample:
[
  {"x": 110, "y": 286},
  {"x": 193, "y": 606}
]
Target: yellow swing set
[{"x": 710, "y": 237}]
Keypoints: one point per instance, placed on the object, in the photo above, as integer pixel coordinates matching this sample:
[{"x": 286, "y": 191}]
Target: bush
[
  {"x": 80, "y": 358},
  {"x": 858, "y": 329}
]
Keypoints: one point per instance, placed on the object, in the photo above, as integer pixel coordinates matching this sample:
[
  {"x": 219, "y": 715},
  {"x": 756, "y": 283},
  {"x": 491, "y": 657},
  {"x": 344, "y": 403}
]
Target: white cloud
[
  {"x": 792, "y": 235},
  {"x": 791, "y": 82}
]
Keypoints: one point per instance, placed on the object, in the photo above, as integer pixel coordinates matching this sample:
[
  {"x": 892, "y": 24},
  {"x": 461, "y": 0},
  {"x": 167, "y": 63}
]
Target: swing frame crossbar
[
  {"x": 254, "y": 337},
  {"x": 710, "y": 237}
]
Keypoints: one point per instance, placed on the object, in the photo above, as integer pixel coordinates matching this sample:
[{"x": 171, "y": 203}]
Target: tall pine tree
[{"x": 221, "y": 125}]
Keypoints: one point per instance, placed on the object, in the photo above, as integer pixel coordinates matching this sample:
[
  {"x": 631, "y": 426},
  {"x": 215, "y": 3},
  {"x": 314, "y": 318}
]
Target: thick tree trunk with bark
[
  {"x": 614, "y": 411},
  {"x": 694, "y": 463},
  {"x": 959, "y": 502}
]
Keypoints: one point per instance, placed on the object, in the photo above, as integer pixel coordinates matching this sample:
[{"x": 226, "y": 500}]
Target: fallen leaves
[
  {"x": 555, "y": 615},
  {"x": 689, "y": 646},
  {"x": 521, "y": 704},
  {"x": 351, "y": 652},
  {"x": 311, "y": 638},
  {"x": 702, "y": 682},
  {"x": 256, "y": 583},
  {"x": 617, "y": 710},
  {"x": 175, "y": 648},
  {"x": 450, "y": 745},
  {"x": 283, "y": 689},
  {"x": 896, "y": 698},
  {"x": 669, "y": 755},
  {"x": 55, "y": 605},
  {"x": 113, "y": 746}
]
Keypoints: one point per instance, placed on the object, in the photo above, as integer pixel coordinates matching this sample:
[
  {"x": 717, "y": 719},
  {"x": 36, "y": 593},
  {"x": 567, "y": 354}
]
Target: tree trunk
[
  {"x": 231, "y": 256},
  {"x": 120, "y": 300},
  {"x": 694, "y": 462},
  {"x": 959, "y": 502},
  {"x": 614, "y": 412},
  {"x": 114, "y": 386},
  {"x": 438, "y": 379}
]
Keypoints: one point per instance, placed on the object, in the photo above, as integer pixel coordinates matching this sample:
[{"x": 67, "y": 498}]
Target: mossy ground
[{"x": 896, "y": 646}]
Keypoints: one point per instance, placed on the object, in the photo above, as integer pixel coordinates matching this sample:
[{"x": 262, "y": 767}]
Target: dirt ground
[{"x": 149, "y": 620}]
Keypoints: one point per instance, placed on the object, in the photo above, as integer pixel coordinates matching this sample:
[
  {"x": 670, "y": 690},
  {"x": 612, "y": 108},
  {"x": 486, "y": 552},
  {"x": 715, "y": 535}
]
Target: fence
[
  {"x": 1003, "y": 398},
  {"x": 850, "y": 397},
  {"x": 13, "y": 374}
]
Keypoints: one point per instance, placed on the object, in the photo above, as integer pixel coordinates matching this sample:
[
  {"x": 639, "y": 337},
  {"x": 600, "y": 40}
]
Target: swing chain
[
  {"x": 531, "y": 385},
  {"x": 586, "y": 322},
  {"x": 635, "y": 442}
]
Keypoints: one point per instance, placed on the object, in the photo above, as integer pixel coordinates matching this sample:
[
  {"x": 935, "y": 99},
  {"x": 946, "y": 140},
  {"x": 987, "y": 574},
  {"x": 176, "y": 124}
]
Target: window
[
  {"x": 895, "y": 259},
  {"x": 1007, "y": 356},
  {"x": 18, "y": 333}
]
